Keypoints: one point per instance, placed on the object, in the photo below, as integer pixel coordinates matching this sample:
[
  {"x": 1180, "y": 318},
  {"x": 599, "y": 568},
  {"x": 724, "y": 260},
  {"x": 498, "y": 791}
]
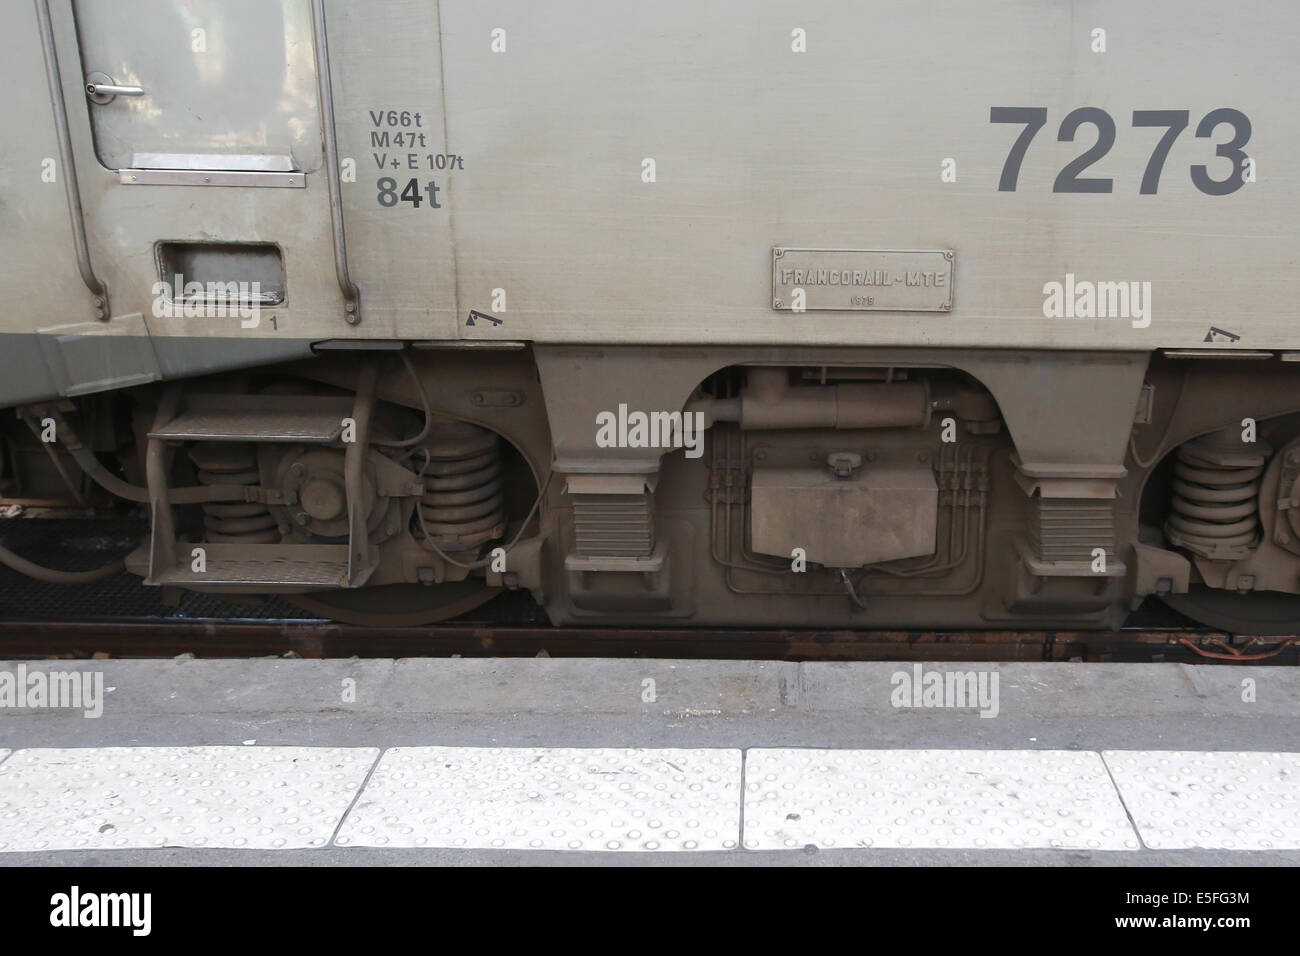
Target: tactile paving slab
[
  {"x": 1211, "y": 800},
  {"x": 956, "y": 799},
  {"x": 549, "y": 799},
  {"x": 139, "y": 797}
]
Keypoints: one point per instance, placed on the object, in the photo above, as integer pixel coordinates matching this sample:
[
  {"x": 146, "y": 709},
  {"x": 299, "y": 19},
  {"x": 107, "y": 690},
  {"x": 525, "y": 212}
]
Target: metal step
[
  {"x": 314, "y": 419},
  {"x": 262, "y": 567}
]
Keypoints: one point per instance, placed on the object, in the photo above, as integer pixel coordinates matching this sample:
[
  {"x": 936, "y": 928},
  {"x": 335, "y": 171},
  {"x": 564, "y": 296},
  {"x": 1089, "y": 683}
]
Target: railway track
[{"x": 319, "y": 639}]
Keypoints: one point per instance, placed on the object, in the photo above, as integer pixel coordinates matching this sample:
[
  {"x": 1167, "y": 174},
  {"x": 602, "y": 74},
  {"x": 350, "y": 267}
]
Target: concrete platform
[{"x": 623, "y": 762}]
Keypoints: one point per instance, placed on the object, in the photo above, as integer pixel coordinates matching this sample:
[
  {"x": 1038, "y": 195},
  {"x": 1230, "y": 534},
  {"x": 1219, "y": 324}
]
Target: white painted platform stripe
[
  {"x": 1217, "y": 800},
  {"x": 550, "y": 799},
  {"x": 137, "y": 797},
  {"x": 955, "y": 799}
]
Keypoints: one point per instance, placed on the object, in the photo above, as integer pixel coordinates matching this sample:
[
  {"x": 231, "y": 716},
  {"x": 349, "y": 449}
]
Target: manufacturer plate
[{"x": 861, "y": 280}]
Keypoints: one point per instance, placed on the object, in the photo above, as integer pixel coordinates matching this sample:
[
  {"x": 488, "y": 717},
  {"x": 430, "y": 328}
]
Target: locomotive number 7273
[{"x": 1172, "y": 121}]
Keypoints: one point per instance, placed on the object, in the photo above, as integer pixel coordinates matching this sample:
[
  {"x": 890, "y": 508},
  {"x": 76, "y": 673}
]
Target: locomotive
[{"x": 856, "y": 315}]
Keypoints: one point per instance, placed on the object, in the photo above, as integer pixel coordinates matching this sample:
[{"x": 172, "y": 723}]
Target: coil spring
[
  {"x": 462, "y": 505},
  {"x": 222, "y": 463},
  {"x": 1213, "y": 506}
]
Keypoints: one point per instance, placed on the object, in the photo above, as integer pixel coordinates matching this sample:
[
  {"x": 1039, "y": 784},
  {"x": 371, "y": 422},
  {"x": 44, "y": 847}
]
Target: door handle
[{"x": 101, "y": 89}]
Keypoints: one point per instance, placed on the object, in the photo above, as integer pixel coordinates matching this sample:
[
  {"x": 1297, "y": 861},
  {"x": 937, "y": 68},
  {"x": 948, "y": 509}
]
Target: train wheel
[
  {"x": 1261, "y": 614},
  {"x": 397, "y": 605}
]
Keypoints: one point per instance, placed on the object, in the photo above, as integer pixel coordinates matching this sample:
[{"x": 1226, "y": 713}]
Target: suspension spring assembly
[
  {"x": 462, "y": 506},
  {"x": 224, "y": 463},
  {"x": 1214, "y": 506}
]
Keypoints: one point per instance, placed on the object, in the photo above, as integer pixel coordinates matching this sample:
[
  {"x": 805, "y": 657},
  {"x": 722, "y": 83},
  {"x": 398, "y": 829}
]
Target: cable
[
  {"x": 848, "y": 586},
  {"x": 1137, "y": 460},
  {"x": 424, "y": 402},
  {"x": 54, "y": 576}
]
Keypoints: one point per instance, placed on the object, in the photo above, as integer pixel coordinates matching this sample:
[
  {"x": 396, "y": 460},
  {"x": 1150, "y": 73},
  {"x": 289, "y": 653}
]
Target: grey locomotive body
[{"x": 886, "y": 314}]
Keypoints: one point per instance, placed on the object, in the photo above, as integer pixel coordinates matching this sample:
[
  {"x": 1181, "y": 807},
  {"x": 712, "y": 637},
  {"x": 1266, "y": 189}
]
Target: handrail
[
  {"x": 98, "y": 288},
  {"x": 325, "y": 93}
]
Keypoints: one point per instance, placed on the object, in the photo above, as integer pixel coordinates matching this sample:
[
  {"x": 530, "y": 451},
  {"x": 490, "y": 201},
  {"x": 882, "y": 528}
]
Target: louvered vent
[
  {"x": 1068, "y": 529},
  {"x": 614, "y": 526}
]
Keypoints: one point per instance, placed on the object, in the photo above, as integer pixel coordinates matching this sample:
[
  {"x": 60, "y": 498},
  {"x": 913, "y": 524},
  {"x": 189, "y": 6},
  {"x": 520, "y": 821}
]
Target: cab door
[{"x": 201, "y": 85}]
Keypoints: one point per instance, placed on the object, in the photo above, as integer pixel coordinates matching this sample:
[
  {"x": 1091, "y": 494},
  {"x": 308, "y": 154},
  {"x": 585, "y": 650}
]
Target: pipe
[
  {"x": 769, "y": 403},
  {"x": 92, "y": 466},
  {"x": 53, "y": 576}
]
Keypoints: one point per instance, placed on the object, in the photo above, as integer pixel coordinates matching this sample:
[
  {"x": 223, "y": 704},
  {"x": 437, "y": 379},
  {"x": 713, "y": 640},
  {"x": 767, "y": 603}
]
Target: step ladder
[{"x": 301, "y": 419}]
